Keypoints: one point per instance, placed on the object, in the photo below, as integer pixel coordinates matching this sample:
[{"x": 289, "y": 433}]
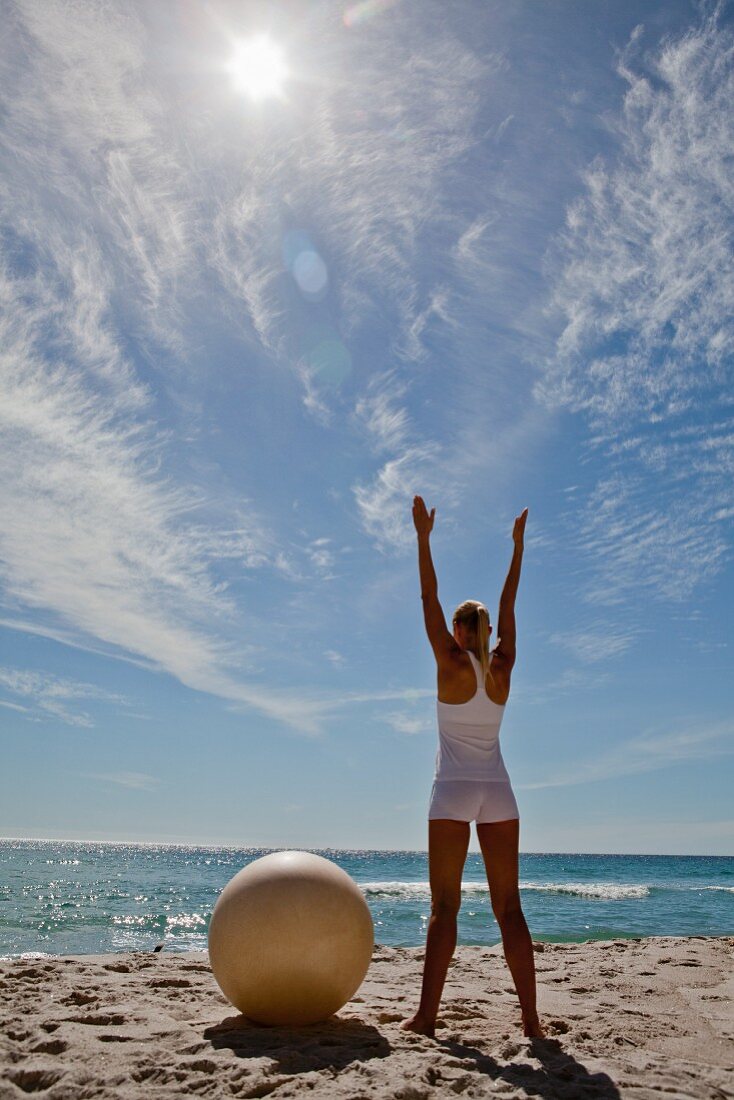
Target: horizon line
[{"x": 331, "y": 848}]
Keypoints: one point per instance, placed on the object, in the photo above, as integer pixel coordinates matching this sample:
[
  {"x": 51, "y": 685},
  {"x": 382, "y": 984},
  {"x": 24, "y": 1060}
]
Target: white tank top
[{"x": 469, "y": 736}]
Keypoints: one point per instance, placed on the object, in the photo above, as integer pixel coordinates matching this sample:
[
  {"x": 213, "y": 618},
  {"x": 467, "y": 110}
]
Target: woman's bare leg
[
  {"x": 499, "y": 841},
  {"x": 448, "y": 843}
]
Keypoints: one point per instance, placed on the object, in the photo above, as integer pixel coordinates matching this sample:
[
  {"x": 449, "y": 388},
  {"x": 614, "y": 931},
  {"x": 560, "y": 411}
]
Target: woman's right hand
[{"x": 423, "y": 522}]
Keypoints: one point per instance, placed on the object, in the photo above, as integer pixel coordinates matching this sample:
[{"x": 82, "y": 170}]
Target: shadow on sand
[
  {"x": 561, "y": 1073},
  {"x": 335, "y": 1043}
]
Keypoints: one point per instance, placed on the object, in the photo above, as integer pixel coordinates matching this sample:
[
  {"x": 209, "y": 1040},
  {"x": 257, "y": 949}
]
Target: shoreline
[
  {"x": 162, "y": 949},
  {"x": 625, "y": 1017}
]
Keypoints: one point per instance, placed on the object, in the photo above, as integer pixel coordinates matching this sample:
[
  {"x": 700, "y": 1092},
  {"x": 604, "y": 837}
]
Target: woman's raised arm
[
  {"x": 506, "y": 618},
  {"x": 438, "y": 634}
]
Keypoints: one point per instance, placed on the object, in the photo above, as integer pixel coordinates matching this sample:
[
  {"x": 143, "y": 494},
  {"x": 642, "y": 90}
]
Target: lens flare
[
  {"x": 329, "y": 363},
  {"x": 309, "y": 271},
  {"x": 366, "y": 10},
  {"x": 306, "y": 265}
]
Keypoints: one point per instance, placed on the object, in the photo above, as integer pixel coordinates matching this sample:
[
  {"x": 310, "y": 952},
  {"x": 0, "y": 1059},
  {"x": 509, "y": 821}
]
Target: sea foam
[
  {"x": 602, "y": 890},
  {"x": 612, "y": 891}
]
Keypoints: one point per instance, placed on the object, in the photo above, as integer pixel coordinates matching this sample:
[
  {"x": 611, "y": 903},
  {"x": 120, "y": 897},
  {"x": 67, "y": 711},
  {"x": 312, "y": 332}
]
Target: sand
[{"x": 626, "y": 1018}]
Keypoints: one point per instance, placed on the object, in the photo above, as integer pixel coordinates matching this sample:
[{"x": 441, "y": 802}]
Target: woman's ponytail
[
  {"x": 476, "y": 617},
  {"x": 483, "y": 638}
]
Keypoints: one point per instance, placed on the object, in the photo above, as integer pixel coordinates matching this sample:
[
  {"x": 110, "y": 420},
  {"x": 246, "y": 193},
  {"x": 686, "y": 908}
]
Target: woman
[{"x": 471, "y": 781}]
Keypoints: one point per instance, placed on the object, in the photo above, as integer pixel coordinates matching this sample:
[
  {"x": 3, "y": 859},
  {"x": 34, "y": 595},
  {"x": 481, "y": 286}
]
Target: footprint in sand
[
  {"x": 78, "y": 998},
  {"x": 169, "y": 983},
  {"x": 34, "y": 1080},
  {"x": 195, "y": 1048},
  {"x": 557, "y": 1027},
  {"x": 202, "y": 1065},
  {"x": 50, "y": 1046},
  {"x": 29, "y": 975},
  {"x": 461, "y": 1012},
  {"x": 100, "y": 1020},
  {"x": 17, "y": 1035}
]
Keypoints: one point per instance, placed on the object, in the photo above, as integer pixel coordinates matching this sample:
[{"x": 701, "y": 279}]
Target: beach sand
[{"x": 627, "y": 1018}]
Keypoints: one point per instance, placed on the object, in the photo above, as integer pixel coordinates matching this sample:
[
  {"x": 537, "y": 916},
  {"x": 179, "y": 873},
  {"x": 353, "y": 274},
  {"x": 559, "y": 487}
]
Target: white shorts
[{"x": 477, "y": 800}]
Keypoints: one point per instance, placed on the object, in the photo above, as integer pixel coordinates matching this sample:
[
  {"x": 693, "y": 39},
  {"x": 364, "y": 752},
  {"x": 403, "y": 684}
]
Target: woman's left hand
[
  {"x": 423, "y": 522},
  {"x": 518, "y": 531}
]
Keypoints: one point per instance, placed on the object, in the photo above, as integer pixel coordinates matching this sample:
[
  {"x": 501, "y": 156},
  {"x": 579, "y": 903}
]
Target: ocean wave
[
  {"x": 413, "y": 889},
  {"x": 29, "y": 955},
  {"x": 726, "y": 889},
  {"x": 603, "y": 890}
]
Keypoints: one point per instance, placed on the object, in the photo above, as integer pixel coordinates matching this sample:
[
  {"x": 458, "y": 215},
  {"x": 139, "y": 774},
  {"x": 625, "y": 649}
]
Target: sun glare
[{"x": 258, "y": 68}]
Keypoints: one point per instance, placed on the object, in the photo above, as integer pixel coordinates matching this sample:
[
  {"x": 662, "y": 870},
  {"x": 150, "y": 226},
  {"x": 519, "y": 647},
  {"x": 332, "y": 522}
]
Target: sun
[{"x": 258, "y": 68}]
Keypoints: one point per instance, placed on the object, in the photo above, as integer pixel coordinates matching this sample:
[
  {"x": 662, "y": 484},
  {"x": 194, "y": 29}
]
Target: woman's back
[{"x": 468, "y": 734}]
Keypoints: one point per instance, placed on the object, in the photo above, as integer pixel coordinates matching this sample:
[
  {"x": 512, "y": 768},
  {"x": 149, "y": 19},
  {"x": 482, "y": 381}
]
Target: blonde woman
[{"x": 471, "y": 782}]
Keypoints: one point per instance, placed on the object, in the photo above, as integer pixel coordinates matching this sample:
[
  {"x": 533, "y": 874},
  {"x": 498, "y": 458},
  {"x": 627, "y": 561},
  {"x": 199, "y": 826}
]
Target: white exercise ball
[{"x": 290, "y": 939}]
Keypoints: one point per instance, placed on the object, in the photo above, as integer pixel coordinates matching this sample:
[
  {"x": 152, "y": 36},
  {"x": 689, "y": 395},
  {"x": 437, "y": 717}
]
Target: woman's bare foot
[
  {"x": 419, "y": 1025},
  {"x": 532, "y": 1027}
]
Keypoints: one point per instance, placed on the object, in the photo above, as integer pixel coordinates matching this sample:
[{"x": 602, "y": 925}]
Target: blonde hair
[{"x": 475, "y": 615}]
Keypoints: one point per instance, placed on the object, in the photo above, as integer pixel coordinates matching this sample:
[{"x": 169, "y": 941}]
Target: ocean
[{"x": 73, "y": 897}]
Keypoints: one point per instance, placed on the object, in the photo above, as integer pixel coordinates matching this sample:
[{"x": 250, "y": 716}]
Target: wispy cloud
[
  {"x": 635, "y": 545},
  {"x": 131, "y": 781},
  {"x": 53, "y": 696},
  {"x": 438, "y": 308},
  {"x": 321, "y": 556},
  {"x": 96, "y": 534},
  {"x": 408, "y": 722},
  {"x": 382, "y": 412},
  {"x": 413, "y": 466},
  {"x": 648, "y": 282},
  {"x": 309, "y": 712},
  {"x": 14, "y": 706},
  {"x": 67, "y": 638},
  {"x": 645, "y": 290},
  {"x": 383, "y": 503},
  {"x": 647, "y": 753},
  {"x": 467, "y": 250},
  {"x": 595, "y": 642}
]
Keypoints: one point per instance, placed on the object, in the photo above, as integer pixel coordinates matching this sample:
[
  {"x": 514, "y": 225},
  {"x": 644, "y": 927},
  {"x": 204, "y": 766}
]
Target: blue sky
[{"x": 480, "y": 252}]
